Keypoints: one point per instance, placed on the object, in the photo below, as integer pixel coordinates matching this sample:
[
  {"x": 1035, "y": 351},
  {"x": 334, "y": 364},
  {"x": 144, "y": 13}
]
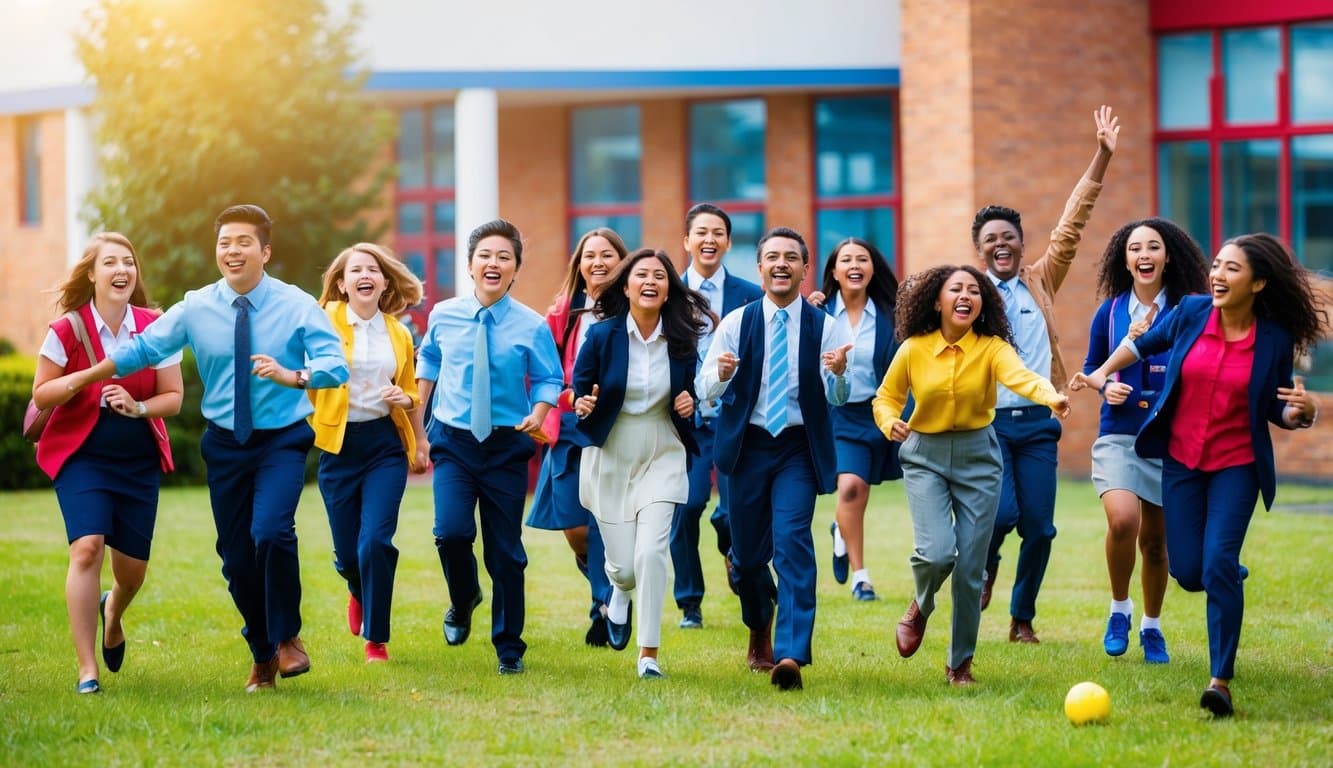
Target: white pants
[{"x": 636, "y": 559}]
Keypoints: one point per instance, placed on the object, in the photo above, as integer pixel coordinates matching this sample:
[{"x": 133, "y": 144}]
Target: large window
[
  {"x": 727, "y": 169},
  {"x": 424, "y": 200},
  {"x": 1245, "y": 141},
  {"x": 856, "y": 187},
  {"x": 30, "y": 173},
  {"x": 606, "y": 152}
]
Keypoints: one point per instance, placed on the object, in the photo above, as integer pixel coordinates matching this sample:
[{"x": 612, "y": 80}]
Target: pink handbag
[{"x": 34, "y": 418}]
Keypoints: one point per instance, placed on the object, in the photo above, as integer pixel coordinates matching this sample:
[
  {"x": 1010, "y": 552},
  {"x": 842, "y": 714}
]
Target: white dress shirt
[
  {"x": 54, "y": 351},
  {"x": 648, "y": 379},
  {"x": 371, "y": 367}
]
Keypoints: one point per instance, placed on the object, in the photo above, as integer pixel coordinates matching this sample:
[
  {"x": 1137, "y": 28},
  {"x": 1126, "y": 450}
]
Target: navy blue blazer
[
  {"x": 737, "y": 403},
  {"x": 1272, "y": 369},
  {"x": 604, "y": 360}
]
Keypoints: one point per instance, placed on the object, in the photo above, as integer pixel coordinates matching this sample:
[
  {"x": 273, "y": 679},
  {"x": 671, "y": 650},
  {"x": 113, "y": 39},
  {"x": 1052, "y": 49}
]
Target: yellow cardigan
[{"x": 330, "y": 417}]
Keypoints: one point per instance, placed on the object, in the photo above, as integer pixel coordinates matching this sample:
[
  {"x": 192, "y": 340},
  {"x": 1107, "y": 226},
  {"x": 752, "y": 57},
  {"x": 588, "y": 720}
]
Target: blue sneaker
[
  {"x": 1116, "y": 641},
  {"x": 864, "y": 592},
  {"x": 841, "y": 563},
  {"x": 1154, "y": 646}
]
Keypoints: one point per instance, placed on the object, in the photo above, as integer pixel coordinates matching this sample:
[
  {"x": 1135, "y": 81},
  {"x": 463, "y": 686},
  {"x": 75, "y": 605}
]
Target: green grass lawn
[{"x": 180, "y": 700}]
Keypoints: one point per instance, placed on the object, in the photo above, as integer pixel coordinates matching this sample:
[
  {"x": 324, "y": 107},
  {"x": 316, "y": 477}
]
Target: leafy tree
[{"x": 204, "y": 104}]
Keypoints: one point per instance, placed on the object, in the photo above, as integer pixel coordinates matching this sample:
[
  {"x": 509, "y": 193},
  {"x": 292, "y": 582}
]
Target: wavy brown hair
[
  {"x": 685, "y": 314},
  {"x": 402, "y": 288},
  {"x": 917, "y": 314},
  {"x": 77, "y": 289}
]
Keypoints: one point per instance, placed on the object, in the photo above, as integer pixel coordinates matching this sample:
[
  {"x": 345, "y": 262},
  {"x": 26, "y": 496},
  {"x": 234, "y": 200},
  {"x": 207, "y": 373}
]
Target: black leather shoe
[
  {"x": 596, "y": 636},
  {"x": 511, "y": 666},
  {"x": 618, "y": 634},
  {"x": 112, "y": 657},
  {"x": 458, "y": 624},
  {"x": 692, "y": 617},
  {"x": 1217, "y": 699}
]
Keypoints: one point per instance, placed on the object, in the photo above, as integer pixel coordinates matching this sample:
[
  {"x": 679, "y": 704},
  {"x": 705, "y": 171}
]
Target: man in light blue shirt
[
  {"x": 497, "y": 372},
  {"x": 258, "y": 344}
]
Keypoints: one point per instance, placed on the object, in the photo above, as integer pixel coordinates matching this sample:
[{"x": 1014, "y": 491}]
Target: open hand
[{"x": 1108, "y": 128}]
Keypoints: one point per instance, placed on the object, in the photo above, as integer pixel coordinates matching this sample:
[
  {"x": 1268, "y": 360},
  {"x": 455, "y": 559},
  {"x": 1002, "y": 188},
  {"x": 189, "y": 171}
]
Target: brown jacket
[{"x": 1044, "y": 276}]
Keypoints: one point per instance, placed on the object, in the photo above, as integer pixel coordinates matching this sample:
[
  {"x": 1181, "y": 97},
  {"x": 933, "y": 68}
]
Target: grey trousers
[{"x": 952, "y": 481}]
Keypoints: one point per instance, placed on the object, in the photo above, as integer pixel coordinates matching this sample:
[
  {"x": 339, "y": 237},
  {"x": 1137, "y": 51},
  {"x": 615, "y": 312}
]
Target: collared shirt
[
  {"x": 1211, "y": 426},
  {"x": 1031, "y": 339},
  {"x": 727, "y": 339},
  {"x": 707, "y": 407},
  {"x": 285, "y": 322},
  {"x": 372, "y": 364},
  {"x": 647, "y": 386},
  {"x": 954, "y": 384},
  {"x": 586, "y": 321},
  {"x": 524, "y": 364},
  {"x": 861, "y": 357},
  {"x": 54, "y": 351}
]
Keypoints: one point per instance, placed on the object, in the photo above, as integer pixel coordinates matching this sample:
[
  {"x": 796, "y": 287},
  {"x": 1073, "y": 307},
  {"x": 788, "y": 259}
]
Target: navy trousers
[
  {"x": 492, "y": 475},
  {"x": 363, "y": 488},
  {"x": 771, "y": 504},
  {"x": 254, "y": 489},
  {"x": 1207, "y": 515},
  {"x": 689, "y": 581},
  {"x": 1029, "y": 445}
]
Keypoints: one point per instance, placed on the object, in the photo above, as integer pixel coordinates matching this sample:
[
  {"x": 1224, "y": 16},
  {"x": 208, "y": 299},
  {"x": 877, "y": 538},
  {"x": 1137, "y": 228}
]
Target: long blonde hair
[
  {"x": 402, "y": 288},
  {"x": 77, "y": 288}
]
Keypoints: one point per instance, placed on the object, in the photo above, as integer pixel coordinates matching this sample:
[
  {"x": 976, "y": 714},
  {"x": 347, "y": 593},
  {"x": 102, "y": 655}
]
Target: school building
[{"x": 891, "y": 120}]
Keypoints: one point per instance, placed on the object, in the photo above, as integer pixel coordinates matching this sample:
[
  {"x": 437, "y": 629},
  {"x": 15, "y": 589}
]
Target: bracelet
[{"x": 1105, "y": 384}]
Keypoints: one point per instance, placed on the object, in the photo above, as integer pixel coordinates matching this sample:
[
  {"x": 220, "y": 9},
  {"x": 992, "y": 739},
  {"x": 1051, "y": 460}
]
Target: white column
[
  {"x": 80, "y": 175},
  {"x": 477, "y": 171}
]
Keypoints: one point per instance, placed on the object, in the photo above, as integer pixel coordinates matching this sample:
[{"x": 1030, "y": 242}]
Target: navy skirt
[
  {"x": 555, "y": 500},
  {"x": 109, "y": 486},
  {"x": 862, "y": 449}
]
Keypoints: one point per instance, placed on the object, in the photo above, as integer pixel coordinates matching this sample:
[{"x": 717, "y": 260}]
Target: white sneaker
[{"x": 648, "y": 669}]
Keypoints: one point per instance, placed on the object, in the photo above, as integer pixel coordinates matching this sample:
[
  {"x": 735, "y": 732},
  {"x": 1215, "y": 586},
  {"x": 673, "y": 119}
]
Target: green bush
[{"x": 18, "y": 462}]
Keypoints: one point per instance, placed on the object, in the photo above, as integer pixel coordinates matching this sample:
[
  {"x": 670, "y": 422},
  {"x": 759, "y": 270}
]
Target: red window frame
[{"x": 429, "y": 239}]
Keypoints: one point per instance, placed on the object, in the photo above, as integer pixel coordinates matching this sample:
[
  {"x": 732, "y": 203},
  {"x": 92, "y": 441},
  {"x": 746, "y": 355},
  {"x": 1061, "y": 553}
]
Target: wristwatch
[
  {"x": 140, "y": 410},
  {"x": 302, "y": 378}
]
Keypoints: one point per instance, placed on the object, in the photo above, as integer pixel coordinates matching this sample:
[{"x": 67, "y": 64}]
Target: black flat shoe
[
  {"x": 617, "y": 635},
  {"x": 1217, "y": 699},
  {"x": 112, "y": 657}
]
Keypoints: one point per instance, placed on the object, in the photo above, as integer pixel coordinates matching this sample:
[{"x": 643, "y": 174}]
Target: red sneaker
[
  {"x": 376, "y": 652},
  {"x": 353, "y": 614}
]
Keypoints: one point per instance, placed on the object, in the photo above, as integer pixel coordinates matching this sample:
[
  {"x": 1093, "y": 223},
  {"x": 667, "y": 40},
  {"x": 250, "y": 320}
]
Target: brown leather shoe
[
  {"x": 786, "y": 675},
  {"x": 910, "y": 630},
  {"x": 731, "y": 581},
  {"x": 292, "y": 659},
  {"x": 262, "y": 675},
  {"x": 987, "y": 587},
  {"x": 1022, "y": 632},
  {"x": 760, "y": 655},
  {"x": 961, "y": 675}
]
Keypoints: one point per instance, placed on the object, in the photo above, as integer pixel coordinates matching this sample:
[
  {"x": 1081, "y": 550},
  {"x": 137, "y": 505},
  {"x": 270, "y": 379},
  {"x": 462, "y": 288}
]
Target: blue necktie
[
  {"x": 480, "y": 421},
  {"x": 775, "y": 410},
  {"x": 242, "y": 419},
  {"x": 1010, "y": 306}
]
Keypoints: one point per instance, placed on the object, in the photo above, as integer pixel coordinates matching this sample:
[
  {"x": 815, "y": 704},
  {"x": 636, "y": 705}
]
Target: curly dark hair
[
  {"x": 883, "y": 286},
  {"x": 917, "y": 295},
  {"x": 992, "y": 212},
  {"x": 685, "y": 314},
  {"x": 1289, "y": 297},
  {"x": 1186, "y": 269}
]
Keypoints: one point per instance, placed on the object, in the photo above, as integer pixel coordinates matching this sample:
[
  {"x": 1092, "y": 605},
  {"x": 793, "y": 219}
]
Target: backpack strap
[{"x": 81, "y": 333}]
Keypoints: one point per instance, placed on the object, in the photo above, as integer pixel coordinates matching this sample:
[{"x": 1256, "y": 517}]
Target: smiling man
[
  {"x": 258, "y": 343},
  {"x": 779, "y": 365},
  {"x": 1029, "y": 434},
  {"x": 707, "y": 240}
]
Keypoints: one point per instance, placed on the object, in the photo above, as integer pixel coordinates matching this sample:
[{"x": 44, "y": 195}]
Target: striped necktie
[{"x": 775, "y": 410}]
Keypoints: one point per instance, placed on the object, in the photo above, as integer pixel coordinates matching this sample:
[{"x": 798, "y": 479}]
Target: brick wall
[
  {"x": 32, "y": 258},
  {"x": 664, "y": 176},
  {"x": 534, "y": 194}
]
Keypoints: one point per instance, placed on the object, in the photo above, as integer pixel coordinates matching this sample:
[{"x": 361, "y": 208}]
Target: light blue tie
[
  {"x": 709, "y": 290},
  {"x": 480, "y": 421},
  {"x": 775, "y": 410},
  {"x": 1010, "y": 306}
]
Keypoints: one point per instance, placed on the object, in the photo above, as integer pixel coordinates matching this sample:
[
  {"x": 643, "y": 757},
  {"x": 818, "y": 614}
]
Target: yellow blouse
[{"x": 954, "y": 384}]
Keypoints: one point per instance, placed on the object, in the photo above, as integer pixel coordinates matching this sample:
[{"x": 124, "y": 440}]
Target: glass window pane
[
  {"x": 417, "y": 263},
  {"x": 30, "y": 140},
  {"x": 1249, "y": 186},
  {"x": 1311, "y": 72},
  {"x": 444, "y": 273},
  {"x": 1312, "y": 203},
  {"x": 854, "y": 146},
  {"x": 443, "y": 222},
  {"x": 1183, "y": 188},
  {"x": 606, "y": 148},
  {"x": 1250, "y": 61},
  {"x": 1184, "y": 66},
  {"x": 627, "y": 225},
  {"x": 442, "y": 147},
  {"x": 742, "y": 259},
  {"x": 411, "y": 218},
  {"x": 727, "y": 150},
  {"x": 836, "y": 225},
  {"x": 411, "y": 149}
]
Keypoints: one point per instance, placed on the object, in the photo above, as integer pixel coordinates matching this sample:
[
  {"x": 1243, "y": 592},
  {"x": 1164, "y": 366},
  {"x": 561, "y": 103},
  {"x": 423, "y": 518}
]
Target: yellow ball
[{"x": 1087, "y": 703}]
